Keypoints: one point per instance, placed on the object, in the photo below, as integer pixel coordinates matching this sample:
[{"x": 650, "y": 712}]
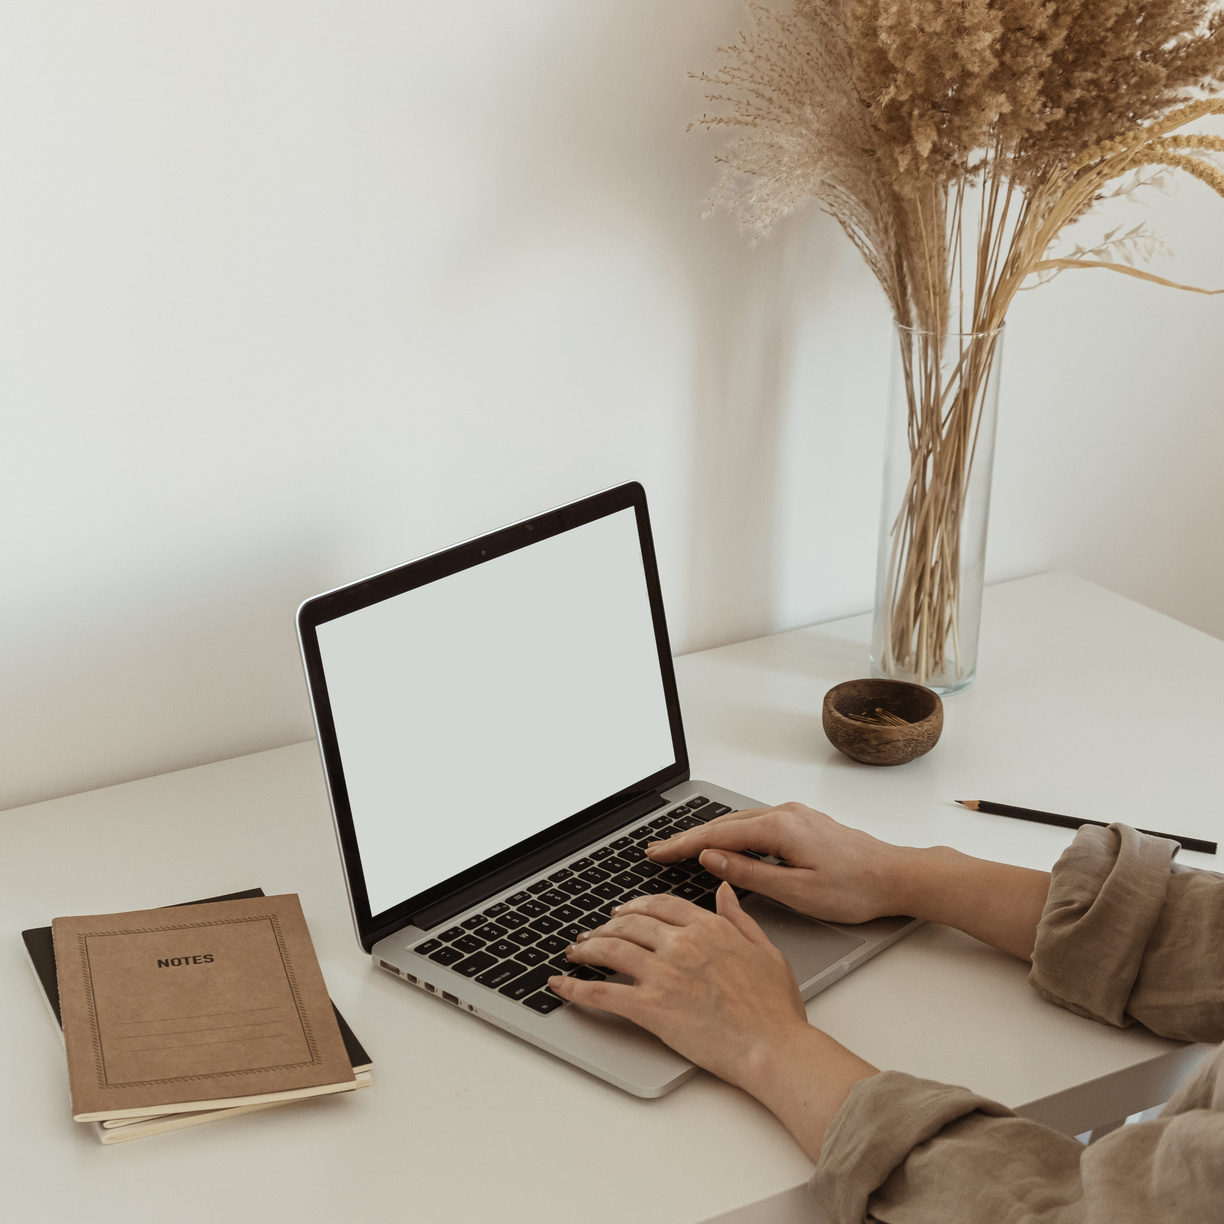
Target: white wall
[{"x": 292, "y": 291}]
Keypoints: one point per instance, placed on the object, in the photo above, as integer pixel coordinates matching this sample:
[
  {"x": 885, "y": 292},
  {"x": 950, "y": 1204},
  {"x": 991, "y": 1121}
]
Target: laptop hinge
[{"x": 529, "y": 864}]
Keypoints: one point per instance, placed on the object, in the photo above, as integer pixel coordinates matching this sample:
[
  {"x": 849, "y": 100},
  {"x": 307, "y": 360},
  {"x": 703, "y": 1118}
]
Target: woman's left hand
[{"x": 711, "y": 986}]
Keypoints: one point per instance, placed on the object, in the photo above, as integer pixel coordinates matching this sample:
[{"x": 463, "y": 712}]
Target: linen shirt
[{"x": 1126, "y": 935}]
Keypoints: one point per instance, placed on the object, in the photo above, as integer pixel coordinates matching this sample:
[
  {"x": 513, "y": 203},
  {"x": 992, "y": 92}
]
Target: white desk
[{"x": 1086, "y": 703}]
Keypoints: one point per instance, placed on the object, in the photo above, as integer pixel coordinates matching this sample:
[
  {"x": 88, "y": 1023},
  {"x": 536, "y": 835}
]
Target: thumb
[
  {"x": 783, "y": 884},
  {"x": 730, "y": 909}
]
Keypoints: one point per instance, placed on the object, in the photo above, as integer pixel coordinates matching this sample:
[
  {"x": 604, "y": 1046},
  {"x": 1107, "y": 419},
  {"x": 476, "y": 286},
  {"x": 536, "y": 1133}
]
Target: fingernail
[
  {"x": 584, "y": 935},
  {"x": 572, "y": 948},
  {"x": 713, "y": 860},
  {"x": 616, "y": 909}
]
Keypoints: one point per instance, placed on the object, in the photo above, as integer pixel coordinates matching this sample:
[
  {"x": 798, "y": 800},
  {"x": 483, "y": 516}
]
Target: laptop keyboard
[{"x": 516, "y": 945}]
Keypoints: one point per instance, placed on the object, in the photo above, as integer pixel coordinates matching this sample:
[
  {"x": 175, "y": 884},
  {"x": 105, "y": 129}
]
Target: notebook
[{"x": 501, "y": 736}]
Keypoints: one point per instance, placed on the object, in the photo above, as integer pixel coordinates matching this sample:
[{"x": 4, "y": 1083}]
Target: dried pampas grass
[{"x": 954, "y": 141}]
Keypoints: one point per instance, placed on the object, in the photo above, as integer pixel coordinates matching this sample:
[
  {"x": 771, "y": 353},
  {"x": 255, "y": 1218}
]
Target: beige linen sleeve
[{"x": 1125, "y": 935}]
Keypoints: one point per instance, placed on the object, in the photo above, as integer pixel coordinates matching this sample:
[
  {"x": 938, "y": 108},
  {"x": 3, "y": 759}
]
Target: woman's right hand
[{"x": 833, "y": 872}]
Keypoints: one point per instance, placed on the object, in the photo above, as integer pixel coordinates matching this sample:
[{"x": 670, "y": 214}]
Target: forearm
[
  {"x": 804, "y": 1078},
  {"x": 994, "y": 902}
]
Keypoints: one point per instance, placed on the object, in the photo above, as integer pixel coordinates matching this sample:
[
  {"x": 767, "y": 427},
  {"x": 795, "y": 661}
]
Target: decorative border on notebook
[{"x": 290, "y": 979}]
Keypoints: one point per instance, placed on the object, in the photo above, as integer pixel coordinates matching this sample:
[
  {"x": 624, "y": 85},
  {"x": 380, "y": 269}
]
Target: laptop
[{"x": 501, "y": 738}]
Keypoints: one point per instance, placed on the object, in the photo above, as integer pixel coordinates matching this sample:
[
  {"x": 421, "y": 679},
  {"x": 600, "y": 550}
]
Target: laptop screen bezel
[{"x": 432, "y": 568}]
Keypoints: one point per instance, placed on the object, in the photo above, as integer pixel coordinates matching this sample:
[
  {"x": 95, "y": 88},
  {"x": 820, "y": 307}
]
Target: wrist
[{"x": 920, "y": 880}]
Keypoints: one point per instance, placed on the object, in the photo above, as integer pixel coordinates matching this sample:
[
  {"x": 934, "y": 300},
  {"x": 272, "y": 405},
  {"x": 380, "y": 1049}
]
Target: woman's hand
[
  {"x": 711, "y": 986},
  {"x": 844, "y": 875},
  {"x": 833, "y": 872},
  {"x": 716, "y": 990}
]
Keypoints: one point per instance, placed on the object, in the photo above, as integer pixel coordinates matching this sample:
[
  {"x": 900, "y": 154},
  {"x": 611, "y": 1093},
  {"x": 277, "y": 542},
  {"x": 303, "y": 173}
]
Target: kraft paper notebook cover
[
  {"x": 216, "y": 1005},
  {"x": 40, "y": 954}
]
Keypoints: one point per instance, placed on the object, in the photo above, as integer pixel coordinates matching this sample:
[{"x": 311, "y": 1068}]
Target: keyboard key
[
  {"x": 553, "y": 897},
  {"x": 512, "y": 921},
  {"x": 605, "y": 910},
  {"x": 588, "y": 973},
  {"x": 655, "y": 886},
  {"x": 659, "y": 821},
  {"x": 544, "y": 1002},
  {"x": 633, "y": 854},
  {"x": 690, "y": 892},
  {"x": 703, "y": 879},
  {"x": 593, "y": 875},
  {"x": 454, "y": 933},
  {"x": 586, "y": 902},
  {"x": 533, "y": 908},
  {"x": 568, "y": 933},
  {"x": 642, "y": 831},
  {"x": 589, "y": 922},
  {"x": 524, "y": 938},
  {"x": 527, "y": 983},
  {"x": 490, "y": 930},
  {"x": 558, "y": 876},
  {"x": 470, "y": 924},
  {"x": 500, "y": 974},
  {"x": 582, "y": 864},
  {"x": 696, "y": 801},
  {"x": 621, "y": 842},
  {"x": 538, "y": 887},
  {"x": 566, "y": 913},
  {"x": 715, "y": 809},
  {"x": 475, "y": 964},
  {"x": 502, "y": 948},
  {"x": 446, "y": 956},
  {"x": 602, "y": 853},
  {"x": 530, "y": 956},
  {"x": 500, "y": 908},
  {"x": 572, "y": 888},
  {"x": 678, "y": 811},
  {"x": 468, "y": 944},
  {"x": 615, "y": 864},
  {"x": 688, "y": 822},
  {"x": 647, "y": 868},
  {"x": 554, "y": 944},
  {"x": 626, "y": 879},
  {"x": 608, "y": 891},
  {"x": 518, "y": 898},
  {"x": 546, "y": 925},
  {"x": 675, "y": 874},
  {"x": 424, "y": 949}
]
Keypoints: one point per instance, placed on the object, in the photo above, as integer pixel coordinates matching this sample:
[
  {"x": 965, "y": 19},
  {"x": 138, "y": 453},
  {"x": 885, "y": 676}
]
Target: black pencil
[{"x": 1074, "y": 822}]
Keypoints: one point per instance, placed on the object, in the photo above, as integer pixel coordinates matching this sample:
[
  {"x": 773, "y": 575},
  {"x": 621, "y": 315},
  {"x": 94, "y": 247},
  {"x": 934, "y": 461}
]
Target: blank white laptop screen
[{"x": 479, "y": 709}]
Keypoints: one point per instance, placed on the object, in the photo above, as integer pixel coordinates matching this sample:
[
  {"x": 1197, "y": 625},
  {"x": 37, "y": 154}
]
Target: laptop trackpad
[{"x": 809, "y": 946}]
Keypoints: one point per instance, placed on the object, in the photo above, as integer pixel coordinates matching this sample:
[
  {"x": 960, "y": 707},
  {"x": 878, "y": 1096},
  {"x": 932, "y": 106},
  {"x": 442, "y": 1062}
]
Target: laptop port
[
  {"x": 384, "y": 964},
  {"x": 409, "y": 977},
  {"x": 450, "y": 998}
]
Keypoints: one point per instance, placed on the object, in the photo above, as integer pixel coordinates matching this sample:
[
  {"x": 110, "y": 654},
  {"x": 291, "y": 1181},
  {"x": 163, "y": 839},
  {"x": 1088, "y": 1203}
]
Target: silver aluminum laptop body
[{"x": 481, "y": 654}]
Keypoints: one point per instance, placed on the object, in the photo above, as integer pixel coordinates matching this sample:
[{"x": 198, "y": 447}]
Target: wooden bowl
[{"x": 882, "y": 745}]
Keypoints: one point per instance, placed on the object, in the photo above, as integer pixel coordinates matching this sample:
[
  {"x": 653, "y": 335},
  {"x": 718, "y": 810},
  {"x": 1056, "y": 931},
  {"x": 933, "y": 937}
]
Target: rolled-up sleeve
[{"x": 1126, "y": 934}]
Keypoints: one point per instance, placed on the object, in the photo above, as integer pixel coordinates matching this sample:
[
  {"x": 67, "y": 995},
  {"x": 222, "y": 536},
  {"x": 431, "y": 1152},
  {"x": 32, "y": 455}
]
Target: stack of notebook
[{"x": 194, "y": 1013}]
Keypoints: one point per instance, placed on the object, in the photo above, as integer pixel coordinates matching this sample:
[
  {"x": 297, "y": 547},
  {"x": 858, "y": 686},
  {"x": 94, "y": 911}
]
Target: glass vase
[{"x": 943, "y": 404}]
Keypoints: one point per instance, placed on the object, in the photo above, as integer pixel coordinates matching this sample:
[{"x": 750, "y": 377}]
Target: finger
[
  {"x": 790, "y": 885},
  {"x": 619, "y": 955},
  {"x": 757, "y": 833},
  {"x": 615, "y": 997},
  {"x": 665, "y": 907},
  {"x": 642, "y": 929},
  {"x": 730, "y": 909}
]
